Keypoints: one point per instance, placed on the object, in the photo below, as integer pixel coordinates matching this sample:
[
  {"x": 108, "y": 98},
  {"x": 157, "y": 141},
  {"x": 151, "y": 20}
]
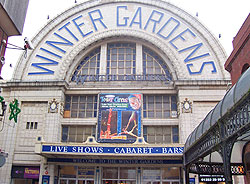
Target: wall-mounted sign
[
  {"x": 14, "y": 110},
  {"x": 114, "y": 161},
  {"x": 119, "y": 118},
  {"x": 211, "y": 178},
  {"x": 45, "y": 179},
  {"x": 25, "y": 172},
  {"x": 111, "y": 150}
]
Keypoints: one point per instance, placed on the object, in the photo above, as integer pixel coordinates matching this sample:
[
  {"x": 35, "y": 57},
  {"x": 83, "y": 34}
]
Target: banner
[{"x": 119, "y": 118}]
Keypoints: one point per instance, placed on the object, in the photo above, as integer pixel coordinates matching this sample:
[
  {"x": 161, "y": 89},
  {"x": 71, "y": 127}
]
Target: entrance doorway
[
  {"x": 119, "y": 175},
  {"x": 76, "y": 181},
  {"x": 76, "y": 175}
]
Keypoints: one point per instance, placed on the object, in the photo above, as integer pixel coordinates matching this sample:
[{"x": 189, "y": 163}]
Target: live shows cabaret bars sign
[{"x": 111, "y": 150}]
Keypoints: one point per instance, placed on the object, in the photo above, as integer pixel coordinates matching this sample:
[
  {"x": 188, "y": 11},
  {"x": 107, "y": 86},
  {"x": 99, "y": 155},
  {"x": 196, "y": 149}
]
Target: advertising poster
[{"x": 119, "y": 118}]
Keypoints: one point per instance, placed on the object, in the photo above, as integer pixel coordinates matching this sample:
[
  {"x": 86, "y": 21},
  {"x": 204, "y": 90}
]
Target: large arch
[{"x": 193, "y": 51}]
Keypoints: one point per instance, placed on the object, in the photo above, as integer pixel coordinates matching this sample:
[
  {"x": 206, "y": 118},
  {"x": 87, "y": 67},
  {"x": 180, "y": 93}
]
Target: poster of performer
[{"x": 119, "y": 117}]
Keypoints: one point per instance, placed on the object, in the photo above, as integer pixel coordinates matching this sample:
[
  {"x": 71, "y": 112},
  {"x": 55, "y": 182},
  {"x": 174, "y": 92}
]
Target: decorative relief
[
  {"x": 186, "y": 106},
  {"x": 53, "y": 106}
]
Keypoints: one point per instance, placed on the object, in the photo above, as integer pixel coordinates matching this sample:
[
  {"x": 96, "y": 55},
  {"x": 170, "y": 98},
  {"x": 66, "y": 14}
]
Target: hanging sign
[{"x": 119, "y": 118}]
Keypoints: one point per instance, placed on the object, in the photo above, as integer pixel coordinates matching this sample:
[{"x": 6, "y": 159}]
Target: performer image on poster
[
  {"x": 134, "y": 102},
  {"x": 108, "y": 124},
  {"x": 130, "y": 127}
]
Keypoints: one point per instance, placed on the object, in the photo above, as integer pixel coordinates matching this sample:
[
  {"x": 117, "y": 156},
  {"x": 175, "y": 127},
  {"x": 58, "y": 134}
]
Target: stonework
[{"x": 193, "y": 56}]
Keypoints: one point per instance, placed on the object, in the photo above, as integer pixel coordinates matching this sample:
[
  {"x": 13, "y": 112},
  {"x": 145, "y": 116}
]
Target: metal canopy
[{"x": 225, "y": 129}]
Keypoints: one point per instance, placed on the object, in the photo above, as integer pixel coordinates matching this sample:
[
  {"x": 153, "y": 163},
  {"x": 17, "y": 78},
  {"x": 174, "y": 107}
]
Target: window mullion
[
  {"x": 103, "y": 59},
  {"x": 139, "y": 59}
]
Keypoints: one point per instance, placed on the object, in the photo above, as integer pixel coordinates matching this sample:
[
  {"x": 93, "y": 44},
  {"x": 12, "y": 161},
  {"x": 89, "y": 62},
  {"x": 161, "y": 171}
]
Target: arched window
[
  {"x": 90, "y": 65},
  {"x": 244, "y": 68},
  {"x": 121, "y": 59},
  {"x": 153, "y": 64}
]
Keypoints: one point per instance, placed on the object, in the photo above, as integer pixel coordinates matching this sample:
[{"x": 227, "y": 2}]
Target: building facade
[
  {"x": 11, "y": 22},
  {"x": 110, "y": 94},
  {"x": 237, "y": 63}
]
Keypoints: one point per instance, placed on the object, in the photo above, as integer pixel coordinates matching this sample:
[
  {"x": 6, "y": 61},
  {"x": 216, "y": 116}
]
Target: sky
[{"x": 224, "y": 17}]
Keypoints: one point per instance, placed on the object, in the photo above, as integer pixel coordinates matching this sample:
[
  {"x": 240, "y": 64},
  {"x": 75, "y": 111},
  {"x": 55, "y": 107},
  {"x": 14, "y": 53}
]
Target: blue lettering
[
  {"x": 118, "y": 16},
  {"x": 51, "y": 53},
  {"x": 180, "y": 36},
  {"x": 79, "y": 25},
  {"x": 138, "y": 12},
  {"x": 81, "y": 79},
  {"x": 93, "y": 20},
  {"x": 197, "y": 47},
  {"x": 52, "y": 43},
  {"x": 202, "y": 67},
  {"x": 38, "y": 65},
  {"x": 67, "y": 29},
  {"x": 164, "y": 26},
  {"x": 155, "y": 21}
]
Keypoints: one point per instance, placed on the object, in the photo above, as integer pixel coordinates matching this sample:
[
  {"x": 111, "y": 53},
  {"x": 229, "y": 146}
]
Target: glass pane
[
  {"x": 158, "y": 114},
  {"x": 89, "y": 114},
  {"x": 75, "y": 99},
  {"x": 86, "y": 172},
  {"x": 158, "y": 106},
  {"x": 90, "y": 106},
  {"x": 113, "y": 64},
  {"x": 167, "y": 139},
  {"x": 68, "y": 171},
  {"x": 159, "y": 130},
  {"x": 74, "y": 106},
  {"x": 151, "y": 139},
  {"x": 175, "y": 139},
  {"x": 109, "y": 181},
  {"x": 110, "y": 173},
  {"x": 151, "y": 130},
  {"x": 81, "y": 114},
  {"x": 64, "y": 134},
  {"x": 72, "y": 182},
  {"x": 73, "y": 114},
  {"x": 170, "y": 173},
  {"x": 151, "y": 114},
  {"x": 63, "y": 181},
  {"x": 166, "y": 114},
  {"x": 166, "y": 106},
  {"x": 150, "y": 99},
  {"x": 79, "y": 130},
  {"x": 159, "y": 139},
  {"x": 121, "y": 57},
  {"x": 152, "y": 174},
  {"x": 72, "y": 130},
  {"x": 127, "y": 173},
  {"x": 151, "y": 106}
]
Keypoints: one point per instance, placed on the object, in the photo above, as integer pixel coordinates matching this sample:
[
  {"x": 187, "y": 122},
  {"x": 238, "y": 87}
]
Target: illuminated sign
[
  {"x": 119, "y": 118},
  {"x": 111, "y": 150},
  {"x": 211, "y": 178},
  {"x": 25, "y": 172},
  {"x": 179, "y": 36}
]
